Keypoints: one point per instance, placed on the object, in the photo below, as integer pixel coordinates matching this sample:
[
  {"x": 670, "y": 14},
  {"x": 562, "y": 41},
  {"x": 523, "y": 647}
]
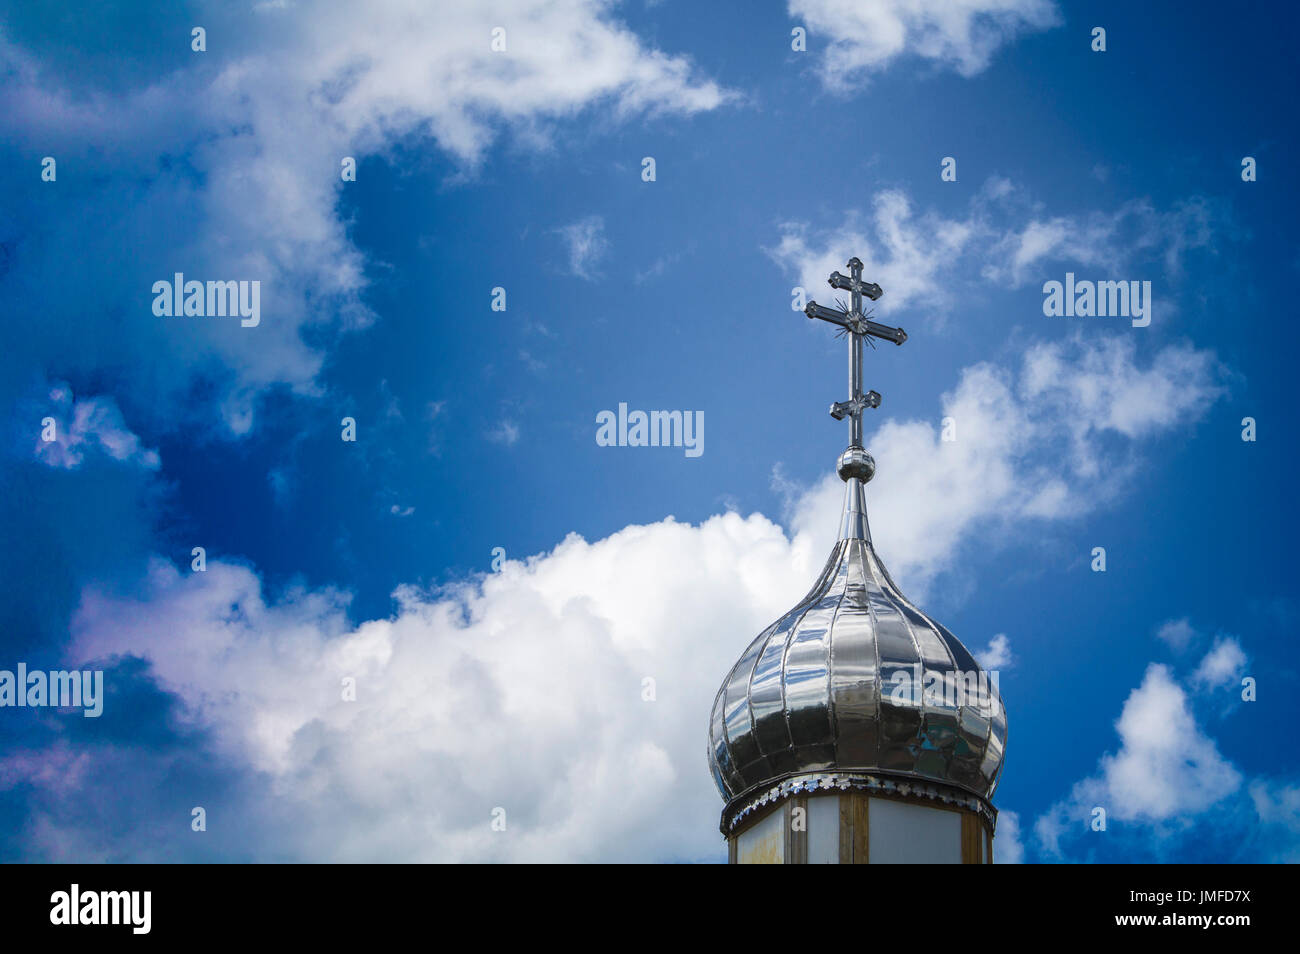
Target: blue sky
[{"x": 522, "y": 169}]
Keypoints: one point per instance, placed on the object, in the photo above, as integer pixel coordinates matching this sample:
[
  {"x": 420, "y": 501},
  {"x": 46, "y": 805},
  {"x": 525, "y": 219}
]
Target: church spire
[{"x": 841, "y": 734}]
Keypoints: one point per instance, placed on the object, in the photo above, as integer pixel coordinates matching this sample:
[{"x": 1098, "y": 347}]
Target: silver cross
[{"x": 858, "y": 326}]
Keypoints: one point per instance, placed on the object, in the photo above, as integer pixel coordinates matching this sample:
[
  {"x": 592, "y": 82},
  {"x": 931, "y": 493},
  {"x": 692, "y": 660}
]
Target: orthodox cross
[{"x": 858, "y": 326}]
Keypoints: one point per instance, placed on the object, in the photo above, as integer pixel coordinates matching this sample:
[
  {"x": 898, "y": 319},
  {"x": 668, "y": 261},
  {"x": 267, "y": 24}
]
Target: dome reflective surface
[{"x": 853, "y": 686}]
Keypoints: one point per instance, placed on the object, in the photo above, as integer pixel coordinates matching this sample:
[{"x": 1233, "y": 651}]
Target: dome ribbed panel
[{"x": 819, "y": 691}]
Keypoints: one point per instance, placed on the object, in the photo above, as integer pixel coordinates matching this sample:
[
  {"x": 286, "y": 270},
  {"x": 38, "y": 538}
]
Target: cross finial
[{"x": 855, "y": 462}]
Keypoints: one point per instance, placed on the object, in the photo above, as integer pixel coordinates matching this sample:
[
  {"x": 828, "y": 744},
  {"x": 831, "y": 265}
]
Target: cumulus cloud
[
  {"x": 1169, "y": 788},
  {"x": 963, "y": 35},
  {"x": 996, "y": 655},
  {"x": 1027, "y": 447},
  {"x": 83, "y": 426},
  {"x": 925, "y": 259},
  {"x": 1166, "y": 767},
  {"x": 405, "y": 65},
  {"x": 522, "y": 691},
  {"x": 905, "y": 252},
  {"x": 1221, "y": 666},
  {"x": 228, "y": 167},
  {"x": 1111, "y": 394}
]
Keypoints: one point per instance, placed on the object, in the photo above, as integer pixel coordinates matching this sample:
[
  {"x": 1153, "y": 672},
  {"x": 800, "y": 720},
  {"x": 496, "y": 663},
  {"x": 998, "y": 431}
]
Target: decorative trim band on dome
[{"x": 824, "y": 782}]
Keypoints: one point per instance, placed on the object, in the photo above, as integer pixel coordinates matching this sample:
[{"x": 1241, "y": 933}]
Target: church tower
[{"x": 855, "y": 729}]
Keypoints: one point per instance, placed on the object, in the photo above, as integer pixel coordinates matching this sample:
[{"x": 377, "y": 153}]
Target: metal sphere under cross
[{"x": 855, "y": 462}]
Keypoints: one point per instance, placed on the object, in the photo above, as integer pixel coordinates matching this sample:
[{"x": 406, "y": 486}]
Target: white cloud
[
  {"x": 1178, "y": 633},
  {"x": 1166, "y": 768},
  {"x": 1027, "y": 448},
  {"x": 87, "y": 425},
  {"x": 1222, "y": 665},
  {"x": 864, "y": 36},
  {"x": 1168, "y": 783},
  {"x": 1101, "y": 239},
  {"x": 1109, "y": 393},
  {"x": 1166, "y": 765},
  {"x": 241, "y": 162},
  {"x": 997, "y": 655},
  {"x": 903, "y": 252},
  {"x": 1277, "y": 806},
  {"x": 521, "y": 691},
  {"x": 1007, "y": 846},
  {"x": 507, "y": 433},
  {"x": 927, "y": 262},
  {"x": 1086, "y": 242},
  {"x": 586, "y": 243},
  {"x": 405, "y": 65}
]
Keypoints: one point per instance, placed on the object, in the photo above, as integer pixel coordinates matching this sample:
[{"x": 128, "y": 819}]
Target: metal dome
[
  {"x": 834, "y": 693},
  {"x": 855, "y": 687}
]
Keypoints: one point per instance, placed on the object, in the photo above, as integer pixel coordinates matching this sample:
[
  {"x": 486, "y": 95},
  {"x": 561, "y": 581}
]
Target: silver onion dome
[{"x": 856, "y": 688}]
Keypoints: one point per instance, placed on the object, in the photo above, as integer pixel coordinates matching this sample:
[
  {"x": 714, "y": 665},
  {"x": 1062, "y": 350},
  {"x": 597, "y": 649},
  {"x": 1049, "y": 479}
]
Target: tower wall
[{"x": 858, "y": 828}]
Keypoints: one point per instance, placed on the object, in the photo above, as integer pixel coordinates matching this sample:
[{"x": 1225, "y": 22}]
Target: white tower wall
[{"x": 856, "y": 828}]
